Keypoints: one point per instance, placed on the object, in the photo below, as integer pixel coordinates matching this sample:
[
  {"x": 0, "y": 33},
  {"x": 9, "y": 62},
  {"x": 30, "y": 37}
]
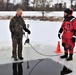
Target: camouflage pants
[{"x": 17, "y": 47}]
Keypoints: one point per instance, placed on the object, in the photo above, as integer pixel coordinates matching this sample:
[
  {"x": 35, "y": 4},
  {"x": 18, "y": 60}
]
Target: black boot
[
  {"x": 21, "y": 58},
  {"x": 70, "y": 57},
  {"x": 15, "y": 59},
  {"x": 64, "y": 56}
]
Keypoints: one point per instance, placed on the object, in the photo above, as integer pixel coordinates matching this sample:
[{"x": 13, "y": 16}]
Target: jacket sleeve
[
  {"x": 74, "y": 25},
  {"x": 24, "y": 26},
  {"x": 61, "y": 28},
  {"x": 11, "y": 27}
]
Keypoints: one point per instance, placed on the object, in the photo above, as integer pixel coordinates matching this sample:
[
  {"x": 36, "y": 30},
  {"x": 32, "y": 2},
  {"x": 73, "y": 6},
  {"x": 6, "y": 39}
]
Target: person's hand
[
  {"x": 59, "y": 35},
  {"x": 29, "y": 32},
  {"x": 73, "y": 39}
]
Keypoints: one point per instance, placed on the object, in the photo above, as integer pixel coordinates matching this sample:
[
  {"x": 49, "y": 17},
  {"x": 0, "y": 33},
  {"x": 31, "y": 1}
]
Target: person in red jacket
[{"x": 68, "y": 31}]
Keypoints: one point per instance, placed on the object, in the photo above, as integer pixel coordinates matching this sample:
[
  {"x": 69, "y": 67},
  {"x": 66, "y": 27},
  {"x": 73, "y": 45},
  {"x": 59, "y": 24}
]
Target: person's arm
[
  {"x": 11, "y": 27},
  {"x": 60, "y": 30},
  {"x": 24, "y": 27},
  {"x": 74, "y": 35},
  {"x": 74, "y": 26}
]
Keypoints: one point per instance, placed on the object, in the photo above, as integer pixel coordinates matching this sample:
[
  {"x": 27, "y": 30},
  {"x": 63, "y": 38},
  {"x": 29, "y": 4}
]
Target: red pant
[{"x": 68, "y": 45}]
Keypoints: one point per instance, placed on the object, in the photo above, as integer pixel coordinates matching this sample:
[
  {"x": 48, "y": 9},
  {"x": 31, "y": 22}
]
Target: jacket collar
[{"x": 17, "y": 16}]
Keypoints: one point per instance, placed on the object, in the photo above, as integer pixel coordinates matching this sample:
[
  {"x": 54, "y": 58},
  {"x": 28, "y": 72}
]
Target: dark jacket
[{"x": 17, "y": 25}]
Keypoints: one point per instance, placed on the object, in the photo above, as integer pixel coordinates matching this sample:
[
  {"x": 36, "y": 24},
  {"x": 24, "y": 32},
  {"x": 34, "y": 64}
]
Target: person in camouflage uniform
[{"x": 17, "y": 25}]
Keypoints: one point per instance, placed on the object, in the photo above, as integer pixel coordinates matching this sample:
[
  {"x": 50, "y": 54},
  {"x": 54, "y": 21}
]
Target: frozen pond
[
  {"x": 43, "y": 38},
  {"x": 41, "y": 32}
]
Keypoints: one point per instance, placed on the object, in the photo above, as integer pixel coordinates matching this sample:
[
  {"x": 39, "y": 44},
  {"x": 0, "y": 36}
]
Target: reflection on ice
[
  {"x": 65, "y": 70},
  {"x": 39, "y": 67},
  {"x": 17, "y": 68}
]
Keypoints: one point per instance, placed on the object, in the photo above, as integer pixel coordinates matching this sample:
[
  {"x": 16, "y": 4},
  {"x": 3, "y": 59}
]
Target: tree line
[{"x": 35, "y": 5}]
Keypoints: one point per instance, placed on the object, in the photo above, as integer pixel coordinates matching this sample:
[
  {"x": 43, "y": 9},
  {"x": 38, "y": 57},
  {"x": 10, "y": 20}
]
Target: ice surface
[
  {"x": 43, "y": 38},
  {"x": 41, "y": 32}
]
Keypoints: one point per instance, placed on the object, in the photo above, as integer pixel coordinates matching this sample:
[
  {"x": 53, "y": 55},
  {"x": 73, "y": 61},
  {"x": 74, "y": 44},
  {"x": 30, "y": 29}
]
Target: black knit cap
[{"x": 68, "y": 11}]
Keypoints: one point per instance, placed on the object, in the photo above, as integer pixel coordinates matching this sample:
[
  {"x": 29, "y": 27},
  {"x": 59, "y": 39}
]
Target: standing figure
[
  {"x": 68, "y": 31},
  {"x": 17, "y": 25}
]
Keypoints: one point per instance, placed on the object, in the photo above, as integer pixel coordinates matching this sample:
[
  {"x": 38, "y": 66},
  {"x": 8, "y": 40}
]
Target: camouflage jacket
[{"x": 17, "y": 25}]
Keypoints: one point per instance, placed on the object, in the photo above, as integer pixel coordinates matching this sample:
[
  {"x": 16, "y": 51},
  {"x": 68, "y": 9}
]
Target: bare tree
[
  {"x": 1, "y": 5},
  {"x": 25, "y": 4},
  {"x": 45, "y": 4},
  {"x": 49, "y": 3},
  {"x": 7, "y": 5},
  {"x": 39, "y": 3},
  {"x": 14, "y": 1},
  {"x": 13, "y": 4},
  {"x": 71, "y": 1},
  {"x": 33, "y": 2}
]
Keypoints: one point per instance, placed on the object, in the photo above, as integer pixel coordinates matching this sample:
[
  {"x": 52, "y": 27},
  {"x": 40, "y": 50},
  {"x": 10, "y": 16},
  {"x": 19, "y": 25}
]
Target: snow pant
[
  {"x": 17, "y": 47},
  {"x": 68, "y": 45}
]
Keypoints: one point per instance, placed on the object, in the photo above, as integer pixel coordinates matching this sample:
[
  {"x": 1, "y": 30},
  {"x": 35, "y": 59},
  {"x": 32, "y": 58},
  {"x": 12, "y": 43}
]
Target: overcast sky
[{"x": 54, "y": 1}]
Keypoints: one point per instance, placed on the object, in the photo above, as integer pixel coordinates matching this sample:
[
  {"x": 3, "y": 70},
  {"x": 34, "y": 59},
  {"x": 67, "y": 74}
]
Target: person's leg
[
  {"x": 14, "y": 46},
  {"x": 20, "y": 48},
  {"x": 71, "y": 49},
  {"x": 64, "y": 44}
]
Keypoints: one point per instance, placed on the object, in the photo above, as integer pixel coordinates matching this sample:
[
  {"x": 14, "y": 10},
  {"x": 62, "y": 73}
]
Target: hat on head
[{"x": 68, "y": 11}]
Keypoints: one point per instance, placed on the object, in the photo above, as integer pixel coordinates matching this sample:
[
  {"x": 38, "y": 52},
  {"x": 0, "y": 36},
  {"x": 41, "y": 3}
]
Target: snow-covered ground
[
  {"x": 31, "y": 13},
  {"x": 34, "y": 13},
  {"x": 43, "y": 38},
  {"x": 41, "y": 32}
]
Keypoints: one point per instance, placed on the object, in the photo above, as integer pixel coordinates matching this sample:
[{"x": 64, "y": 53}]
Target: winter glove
[
  {"x": 29, "y": 32},
  {"x": 73, "y": 39},
  {"x": 59, "y": 35}
]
